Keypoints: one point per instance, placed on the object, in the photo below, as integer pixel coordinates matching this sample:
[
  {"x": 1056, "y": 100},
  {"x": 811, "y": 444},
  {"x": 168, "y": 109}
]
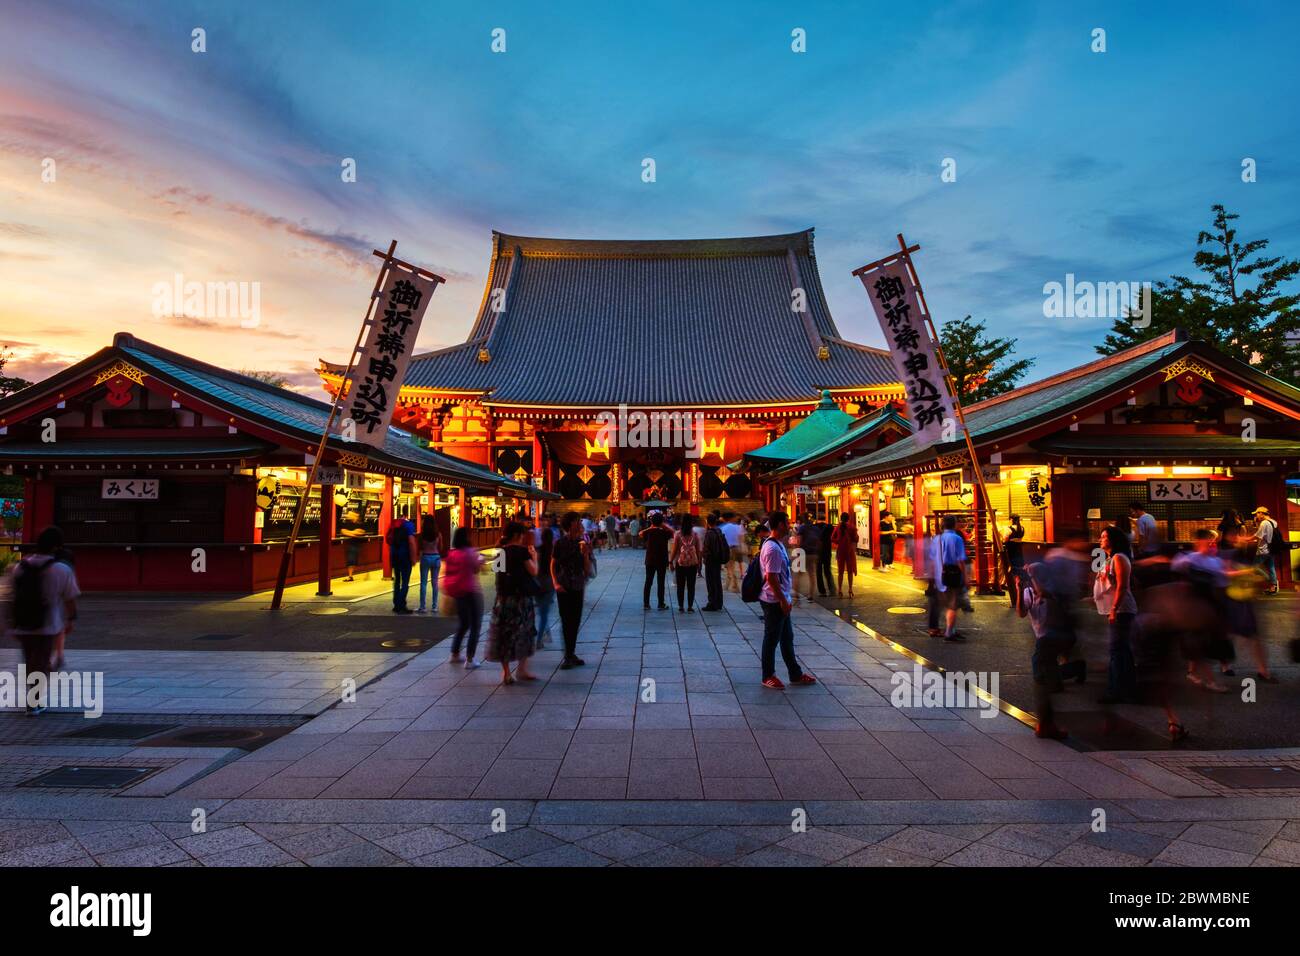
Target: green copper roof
[
  {"x": 824, "y": 423},
  {"x": 860, "y": 429}
]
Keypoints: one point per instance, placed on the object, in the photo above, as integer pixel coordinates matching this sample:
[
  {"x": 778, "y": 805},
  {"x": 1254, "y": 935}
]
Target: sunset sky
[{"x": 225, "y": 165}]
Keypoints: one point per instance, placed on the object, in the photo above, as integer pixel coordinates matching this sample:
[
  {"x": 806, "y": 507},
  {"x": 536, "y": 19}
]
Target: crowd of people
[{"x": 1171, "y": 614}]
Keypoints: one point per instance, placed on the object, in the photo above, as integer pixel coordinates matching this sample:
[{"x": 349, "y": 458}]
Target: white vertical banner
[
  {"x": 894, "y": 297},
  {"x": 376, "y": 378}
]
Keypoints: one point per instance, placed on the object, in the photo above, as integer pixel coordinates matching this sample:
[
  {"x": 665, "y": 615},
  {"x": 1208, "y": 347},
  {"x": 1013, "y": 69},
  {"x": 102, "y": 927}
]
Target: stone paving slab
[
  {"x": 206, "y": 682},
  {"x": 662, "y": 750}
]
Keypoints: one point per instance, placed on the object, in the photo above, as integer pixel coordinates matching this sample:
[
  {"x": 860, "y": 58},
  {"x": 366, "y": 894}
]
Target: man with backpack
[
  {"x": 948, "y": 573},
  {"x": 716, "y": 555},
  {"x": 776, "y": 597},
  {"x": 43, "y": 605},
  {"x": 402, "y": 554},
  {"x": 1272, "y": 545}
]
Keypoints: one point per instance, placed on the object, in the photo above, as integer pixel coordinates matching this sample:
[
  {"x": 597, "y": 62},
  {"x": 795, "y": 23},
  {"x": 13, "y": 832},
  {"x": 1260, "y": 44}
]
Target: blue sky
[{"x": 225, "y": 165}]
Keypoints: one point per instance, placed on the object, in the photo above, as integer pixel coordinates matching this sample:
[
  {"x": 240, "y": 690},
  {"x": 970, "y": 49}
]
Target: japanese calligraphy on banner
[
  {"x": 373, "y": 385},
  {"x": 1170, "y": 489},
  {"x": 131, "y": 489},
  {"x": 893, "y": 295}
]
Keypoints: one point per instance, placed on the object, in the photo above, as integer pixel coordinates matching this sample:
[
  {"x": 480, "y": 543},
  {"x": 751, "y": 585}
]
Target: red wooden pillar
[
  {"x": 920, "y": 508},
  {"x": 326, "y": 542},
  {"x": 980, "y": 535},
  {"x": 873, "y": 529},
  {"x": 386, "y": 520},
  {"x": 29, "y": 511}
]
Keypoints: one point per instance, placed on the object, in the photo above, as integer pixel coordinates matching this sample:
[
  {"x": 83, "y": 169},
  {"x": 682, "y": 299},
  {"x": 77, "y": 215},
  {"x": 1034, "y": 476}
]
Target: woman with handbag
[
  {"x": 514, "y": 626},
  {"x": 1112, "y": 592}
]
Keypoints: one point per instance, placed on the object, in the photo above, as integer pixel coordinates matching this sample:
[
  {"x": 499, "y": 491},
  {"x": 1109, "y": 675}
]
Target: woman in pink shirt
[{"x": 460, "y": 581}]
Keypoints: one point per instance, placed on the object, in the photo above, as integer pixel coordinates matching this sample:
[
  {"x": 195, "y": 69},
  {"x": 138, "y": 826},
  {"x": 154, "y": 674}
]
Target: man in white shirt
[
  {"x": 1147, "y": 540},
  {"x": 1265, "y": 530},
  {"x": 42, "y": 605},
  {"x": 734, "y": 532},
  {"x": 948, "y": 573}
]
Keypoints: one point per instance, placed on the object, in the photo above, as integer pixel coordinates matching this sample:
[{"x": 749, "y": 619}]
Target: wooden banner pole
[
  {"x": 906, "y": 256},
  {"x": 278, "y": 598}
]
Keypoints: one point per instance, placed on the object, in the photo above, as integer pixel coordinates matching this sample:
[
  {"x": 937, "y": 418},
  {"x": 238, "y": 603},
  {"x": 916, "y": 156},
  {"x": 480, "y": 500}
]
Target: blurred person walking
[
  {"x": 1113, "y": 594},
  {"x": 42, "y": 605},
  {"x": 545, "y": 598},
  {"x": 1038, "y": 603},
  {"x": 733, "y": 529},
  {"x": 460, "y": 582}
]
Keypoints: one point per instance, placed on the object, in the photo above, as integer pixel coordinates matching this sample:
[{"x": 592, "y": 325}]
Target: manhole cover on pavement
[
  {"x": 328, "y": 610},
  {"x": 1253, "y": 778},
  {"x": 906, "y": 610},
  {"x": 90, "y": 778},
  {"x": 119, "y": 731},
  {"x": 225, "y": 735},
  {"x": 220, "y": 735},
  {"x": 408, "y": 643}
]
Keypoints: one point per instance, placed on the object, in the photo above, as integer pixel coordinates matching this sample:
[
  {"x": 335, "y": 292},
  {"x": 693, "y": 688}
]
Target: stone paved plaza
[{"x": 663, "y": 750}]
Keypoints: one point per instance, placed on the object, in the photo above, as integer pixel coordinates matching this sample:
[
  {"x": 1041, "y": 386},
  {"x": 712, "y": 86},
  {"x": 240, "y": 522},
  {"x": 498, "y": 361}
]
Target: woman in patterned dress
[{"x": 514, "y": 627}]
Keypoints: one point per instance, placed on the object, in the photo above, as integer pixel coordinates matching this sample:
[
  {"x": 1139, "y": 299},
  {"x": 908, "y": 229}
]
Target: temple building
[
  {"x": 721, "y": 344},
  {"x": 169, "y": 474}
]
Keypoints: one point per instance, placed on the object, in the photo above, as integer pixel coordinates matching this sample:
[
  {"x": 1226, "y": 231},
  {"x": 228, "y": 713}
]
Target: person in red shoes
[{"x": 776, "y": 601}]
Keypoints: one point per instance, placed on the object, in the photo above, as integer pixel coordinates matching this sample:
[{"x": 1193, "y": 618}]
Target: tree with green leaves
[
  {"x": 980, "y": 366},
  {"x": 1238, "y": 303},
  {"x": 9, "y": 384}
]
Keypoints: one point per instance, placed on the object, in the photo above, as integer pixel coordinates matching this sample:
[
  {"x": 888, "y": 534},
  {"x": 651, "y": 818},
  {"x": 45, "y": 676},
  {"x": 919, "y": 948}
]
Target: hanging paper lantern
[{"x": 268, "y": 490}]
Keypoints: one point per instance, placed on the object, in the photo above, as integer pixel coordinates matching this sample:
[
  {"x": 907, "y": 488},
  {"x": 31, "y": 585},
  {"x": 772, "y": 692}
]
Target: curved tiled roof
[
  {"x": 1054, "y": 397},
  {"x": 304, "y": 417},
  {"x": 652, "y": 323}
]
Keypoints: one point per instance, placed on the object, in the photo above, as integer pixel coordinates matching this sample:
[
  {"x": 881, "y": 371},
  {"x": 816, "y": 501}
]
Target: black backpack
[
  {"x": 715, "y": 546},
  {"x": 1278, "y": 544},
  {"x": 751, "y": 586},
  {"x": 30, "y": 607}
]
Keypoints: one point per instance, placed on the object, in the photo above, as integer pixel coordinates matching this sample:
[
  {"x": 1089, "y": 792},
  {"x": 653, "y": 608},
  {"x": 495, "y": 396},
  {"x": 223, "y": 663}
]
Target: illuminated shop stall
[
  {"x": 166, "y": 473},
  {"x": 1172, "y": 423}
]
